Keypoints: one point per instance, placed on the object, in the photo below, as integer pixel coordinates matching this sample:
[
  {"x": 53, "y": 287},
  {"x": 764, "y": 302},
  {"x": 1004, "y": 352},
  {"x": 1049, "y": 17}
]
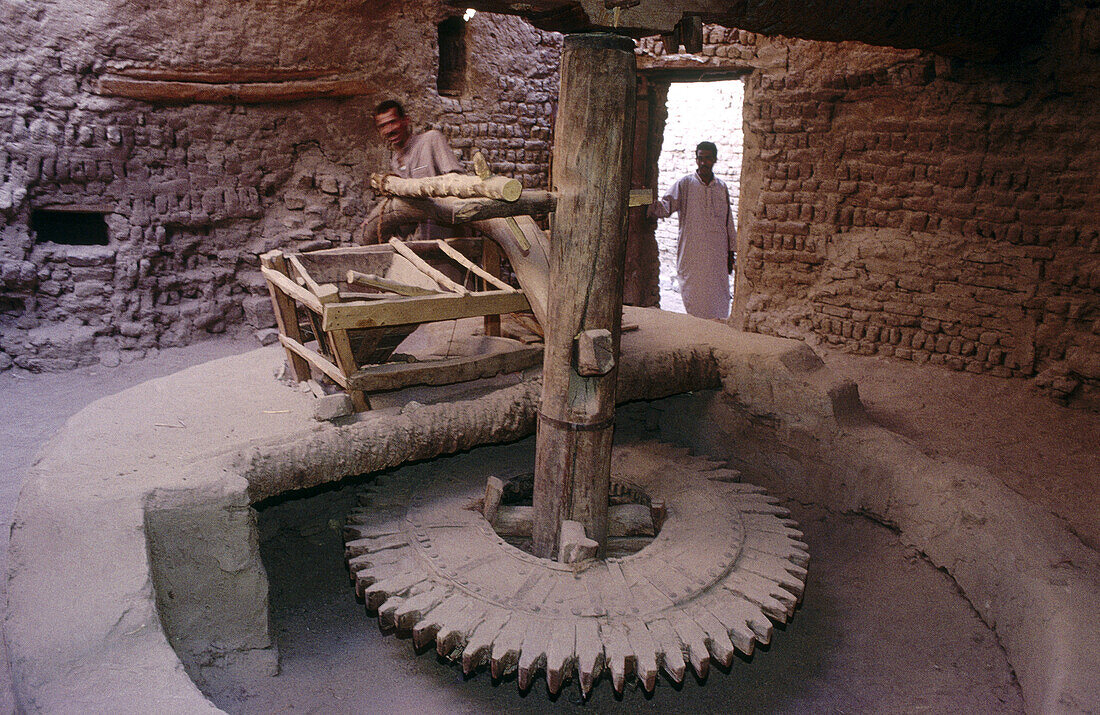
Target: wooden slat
[
  {"x": 345, "y": 360},
  {"x": 396, "y": 376},
  {"x": 369, "y": 279},
  {"x": 292, "y": 289},
  {"x": 401, "y": 311},
  {"x": 316, "y": 359},
  {"x": 426, "y": 269},
  {"x": 310, "y": 284},
  {"x": 473, "y": 267},
  {"x": 286, "y": 315}
]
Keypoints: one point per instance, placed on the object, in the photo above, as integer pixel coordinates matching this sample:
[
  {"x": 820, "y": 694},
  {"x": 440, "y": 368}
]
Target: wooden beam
[
  {"x": 174, "y": 92},
  {"x": 462, "y": 186},
  {"x": 423, "y": 309},
  {"x": 473, "y": 267},
  {"x": 397, "y": 376},
  {"x": 529, "y": 258},
  {"x": 286, "y": 314},
  {"x": 292, "y": 289},
  {"x": 314, "y": 358}
]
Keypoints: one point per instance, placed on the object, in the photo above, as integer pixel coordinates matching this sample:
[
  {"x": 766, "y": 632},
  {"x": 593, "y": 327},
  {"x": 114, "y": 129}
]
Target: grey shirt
[{"x": 426, "y": 154}]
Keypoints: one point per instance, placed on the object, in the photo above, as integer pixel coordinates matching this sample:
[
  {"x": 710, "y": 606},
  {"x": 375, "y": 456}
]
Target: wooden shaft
[
  {"x": 462, "y": 186},
  {"x": 422, "y": 265},
  {"x": 395, "y": 212},
  {"x": 592, "y": 152},
  {"x": 530, "y": 259}
]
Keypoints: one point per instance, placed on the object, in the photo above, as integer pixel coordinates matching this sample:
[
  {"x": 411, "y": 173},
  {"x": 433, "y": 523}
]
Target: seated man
[{"x": 415, "y": 156}]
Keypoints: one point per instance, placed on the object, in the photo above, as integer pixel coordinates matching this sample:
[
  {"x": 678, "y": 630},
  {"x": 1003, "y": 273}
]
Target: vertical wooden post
[
  {"x": 490, "y": 260},
  {"x": 286, "y": 314},
  {"x": 591, "y": 173}
]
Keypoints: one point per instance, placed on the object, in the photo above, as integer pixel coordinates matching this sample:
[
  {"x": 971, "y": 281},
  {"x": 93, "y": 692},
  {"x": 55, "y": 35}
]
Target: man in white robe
[
  {"x": 705, "y": 250},
  {"x": 416, "y": 156}
]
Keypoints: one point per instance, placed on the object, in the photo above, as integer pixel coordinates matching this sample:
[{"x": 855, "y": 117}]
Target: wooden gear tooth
[
  {"x": 620, "y": 656},
  {"x": 532, "y": 657},
  {"x": 507, "y": 646},
  {"x": 736, "y": 628},
  {"x": 646, "y": 665},
  {"x": 672, "y": 660},
  {"x": 424, "y": 631},
  {"x": 397, "y": 585},
  {"x": 560, "y": 654},
  {"x": 413, "y": 609},
  {"x": 453, "y": 635},
  {"x": 590, "y": 653},
  {"x": 718, "y": 639},
  {"x": 694, "y": 640},
  {"x": 479, "y": 646}
]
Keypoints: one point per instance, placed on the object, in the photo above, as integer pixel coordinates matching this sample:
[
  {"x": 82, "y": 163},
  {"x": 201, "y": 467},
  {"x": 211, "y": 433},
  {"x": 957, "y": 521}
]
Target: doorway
[{"x": 697, "y": 111}]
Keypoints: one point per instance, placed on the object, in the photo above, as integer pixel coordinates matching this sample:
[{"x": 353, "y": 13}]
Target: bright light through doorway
[{"x": 697, "y": 111}]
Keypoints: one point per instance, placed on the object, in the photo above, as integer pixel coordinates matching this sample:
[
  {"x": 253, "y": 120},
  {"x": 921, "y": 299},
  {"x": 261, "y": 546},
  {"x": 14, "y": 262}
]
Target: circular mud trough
[{"x": 725, "y": 563}]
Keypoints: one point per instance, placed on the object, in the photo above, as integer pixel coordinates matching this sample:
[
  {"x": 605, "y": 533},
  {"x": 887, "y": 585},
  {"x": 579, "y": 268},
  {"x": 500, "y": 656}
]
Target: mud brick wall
[
  {"x": 934, "y": 210},
  {"x": 192, "y": 193}
]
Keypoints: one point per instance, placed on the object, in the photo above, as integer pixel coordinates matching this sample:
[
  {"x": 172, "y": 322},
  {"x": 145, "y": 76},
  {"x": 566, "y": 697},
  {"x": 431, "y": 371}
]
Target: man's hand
[{"x": 731, "y": 260}]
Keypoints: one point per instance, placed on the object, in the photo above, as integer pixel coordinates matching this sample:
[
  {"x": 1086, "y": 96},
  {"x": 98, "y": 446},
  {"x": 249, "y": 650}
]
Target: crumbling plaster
[{"x": 108, "y": 563}]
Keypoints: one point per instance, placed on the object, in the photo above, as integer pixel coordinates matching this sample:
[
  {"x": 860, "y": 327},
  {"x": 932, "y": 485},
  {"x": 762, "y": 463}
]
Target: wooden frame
[{"x": 354, "y": 302}]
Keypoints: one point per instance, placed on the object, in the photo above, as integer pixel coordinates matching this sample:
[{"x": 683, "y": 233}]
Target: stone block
[
  {"x": 331, "y": 407},
  {"x": 267, "y": 336},
  {"x": 258, "y": 312}
]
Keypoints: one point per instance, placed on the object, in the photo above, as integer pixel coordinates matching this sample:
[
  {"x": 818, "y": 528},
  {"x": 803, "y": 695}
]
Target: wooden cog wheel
[{"x": 725, "y": 565}]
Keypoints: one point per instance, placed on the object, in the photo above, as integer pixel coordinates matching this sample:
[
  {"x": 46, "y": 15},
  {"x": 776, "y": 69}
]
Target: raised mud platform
[{"x": 134, "y": 564}]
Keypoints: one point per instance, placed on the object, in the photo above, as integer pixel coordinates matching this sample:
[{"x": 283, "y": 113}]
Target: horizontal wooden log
[
  {"x": 404, "y": 311},
  {"x": 175, "y": 92},
  {"x": 388, "y": 216},
  {"x": 228, "y": 75},
  {"x": 461, "y": 186},
  {"x": 396, "y": 376}
]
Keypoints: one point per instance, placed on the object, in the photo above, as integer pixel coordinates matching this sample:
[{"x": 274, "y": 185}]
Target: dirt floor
[{"x": 879, "y": 630}]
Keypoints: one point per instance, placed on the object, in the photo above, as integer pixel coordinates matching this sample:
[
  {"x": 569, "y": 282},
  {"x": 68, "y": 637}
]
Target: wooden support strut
[
  {"x": 591, "y": 173},
  {"x": 440, "y": 279}
]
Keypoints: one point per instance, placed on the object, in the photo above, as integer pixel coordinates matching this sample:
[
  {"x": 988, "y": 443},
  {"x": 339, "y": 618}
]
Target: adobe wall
[
  {"x": 193, "y": 193},
  {"x": 934, "y": 210},
  {"x": 900, "y": 203}
]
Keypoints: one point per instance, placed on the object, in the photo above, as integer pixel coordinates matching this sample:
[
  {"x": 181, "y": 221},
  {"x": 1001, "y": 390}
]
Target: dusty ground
[{"x": 879, "y": 630}]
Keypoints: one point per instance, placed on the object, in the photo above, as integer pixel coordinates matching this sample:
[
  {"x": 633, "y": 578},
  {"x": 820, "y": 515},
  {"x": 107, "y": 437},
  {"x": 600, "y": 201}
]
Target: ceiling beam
[{"x": 979, "y": 29}]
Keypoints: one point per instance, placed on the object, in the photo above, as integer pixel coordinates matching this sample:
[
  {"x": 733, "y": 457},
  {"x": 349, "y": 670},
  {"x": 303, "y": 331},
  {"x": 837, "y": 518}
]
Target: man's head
[
  {"x": 706, "y": 154},
  {"x": 392, "y": 124}
]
